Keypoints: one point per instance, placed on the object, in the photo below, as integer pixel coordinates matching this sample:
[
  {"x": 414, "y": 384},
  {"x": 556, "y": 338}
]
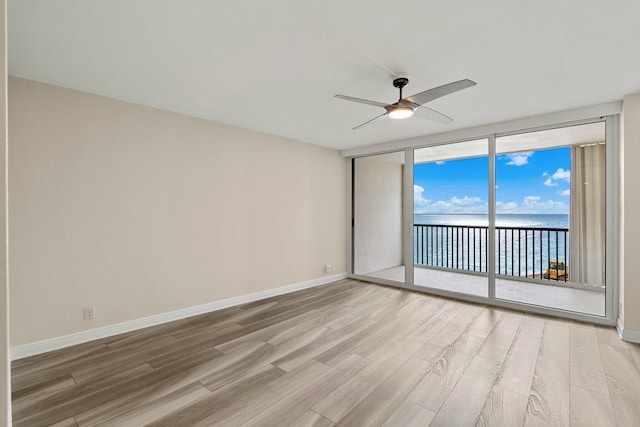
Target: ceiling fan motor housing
[{"x": 400, "y": 82}]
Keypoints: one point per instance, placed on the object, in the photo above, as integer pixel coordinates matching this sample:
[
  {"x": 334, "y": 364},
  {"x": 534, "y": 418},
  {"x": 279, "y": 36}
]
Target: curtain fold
[{"x": 587, "y": 215}]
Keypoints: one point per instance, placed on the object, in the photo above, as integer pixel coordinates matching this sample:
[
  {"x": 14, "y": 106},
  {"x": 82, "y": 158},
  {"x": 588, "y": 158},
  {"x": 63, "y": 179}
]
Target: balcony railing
[{"x": 520, "y": 251}]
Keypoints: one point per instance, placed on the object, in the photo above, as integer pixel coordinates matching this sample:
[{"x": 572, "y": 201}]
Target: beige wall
[
  {"x": 630, "y": 208},
  {"x": 5, "y": 382},
  {"x": 138, "y": 211},
  {"x": 378, "y": 212}
]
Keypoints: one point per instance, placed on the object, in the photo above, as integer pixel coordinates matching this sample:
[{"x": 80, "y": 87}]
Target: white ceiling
[{"x": 274, "y": 66}]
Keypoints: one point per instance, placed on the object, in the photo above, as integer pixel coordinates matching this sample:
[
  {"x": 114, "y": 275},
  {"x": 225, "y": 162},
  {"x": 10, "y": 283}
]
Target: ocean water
[
  {"x": 525, "y": 244},
  {"x": 502, "y": 220}
]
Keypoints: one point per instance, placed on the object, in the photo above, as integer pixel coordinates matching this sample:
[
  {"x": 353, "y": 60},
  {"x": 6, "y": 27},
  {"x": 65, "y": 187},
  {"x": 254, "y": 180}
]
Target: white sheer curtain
[{"x": 587, "y": 215}]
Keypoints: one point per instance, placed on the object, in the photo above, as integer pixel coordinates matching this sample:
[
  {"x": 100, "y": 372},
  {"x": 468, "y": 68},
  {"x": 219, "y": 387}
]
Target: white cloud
[
  {"x": 559, "y": 175},
  {"x": 532, "y": 205},
  {"x": 465, "y": 201},
  {"x": 562, "y": 174},
  {"x": 566, "y": 192},
  {"x": 507, "y": 208},
  {"x": 475, "y": 205},
  {"x": 519, "y": 159},
  {"x": 440, "y": 163},
  {"x": 459, "y": 205},
  {"x": 531, "y": 199},
  {"x": 418, "y": 200}
]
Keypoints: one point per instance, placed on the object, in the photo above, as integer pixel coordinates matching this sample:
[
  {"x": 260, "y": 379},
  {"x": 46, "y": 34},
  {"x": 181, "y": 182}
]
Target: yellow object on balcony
[{"x": 557, "y": 271}]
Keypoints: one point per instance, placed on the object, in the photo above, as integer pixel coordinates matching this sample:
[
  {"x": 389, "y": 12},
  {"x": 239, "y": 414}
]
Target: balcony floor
[{"x": 562, "y": 298}]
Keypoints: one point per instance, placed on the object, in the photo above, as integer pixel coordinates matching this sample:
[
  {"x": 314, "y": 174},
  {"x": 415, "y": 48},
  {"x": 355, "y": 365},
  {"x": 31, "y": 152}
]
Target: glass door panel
[
  {"x": 377, "y": 213},
  {"x": 450, "y": 230},
  {"x": 550, "y": 218}
]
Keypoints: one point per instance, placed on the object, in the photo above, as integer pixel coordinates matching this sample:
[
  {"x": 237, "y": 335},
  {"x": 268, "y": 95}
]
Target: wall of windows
[{"x": 521, "y": 219}]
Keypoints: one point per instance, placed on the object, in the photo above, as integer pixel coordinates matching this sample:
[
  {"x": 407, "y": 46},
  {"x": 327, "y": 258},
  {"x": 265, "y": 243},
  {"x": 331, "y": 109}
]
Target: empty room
[{"x": 303, "y": 213}]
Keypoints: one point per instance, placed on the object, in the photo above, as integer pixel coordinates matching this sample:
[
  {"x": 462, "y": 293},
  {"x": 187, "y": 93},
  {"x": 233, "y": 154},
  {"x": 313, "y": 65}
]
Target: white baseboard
[
  {"x": 627, "y": 334},
  {"x": 51, "y": 344}
]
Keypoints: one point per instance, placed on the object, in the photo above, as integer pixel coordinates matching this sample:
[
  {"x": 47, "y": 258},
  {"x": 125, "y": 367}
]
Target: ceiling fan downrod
[{"x": 400, "y": 82}]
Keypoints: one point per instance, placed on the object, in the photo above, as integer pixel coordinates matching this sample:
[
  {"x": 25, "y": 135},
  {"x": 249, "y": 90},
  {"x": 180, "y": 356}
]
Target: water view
[
  {"x": 526, "y": 244},
  {"x": 502, "y": 220}
]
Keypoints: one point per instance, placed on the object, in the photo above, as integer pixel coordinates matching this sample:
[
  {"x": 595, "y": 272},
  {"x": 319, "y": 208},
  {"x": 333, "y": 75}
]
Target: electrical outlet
[
  {"x": 328, "y": 268},
  {"x": 89, "y": 313}
]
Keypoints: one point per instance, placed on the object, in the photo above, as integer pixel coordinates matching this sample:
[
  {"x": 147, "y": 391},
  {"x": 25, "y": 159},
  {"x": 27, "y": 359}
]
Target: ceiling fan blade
[
  {"x": 434, "y": 115},
  {"x": 440, "y": 91},
  {"x": 369, "y": 121},
  {"x": 361, "y": 101}
]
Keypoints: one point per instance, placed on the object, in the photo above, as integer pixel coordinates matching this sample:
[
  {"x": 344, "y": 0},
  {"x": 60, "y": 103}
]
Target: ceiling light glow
[{"x": 401, "y": 112}]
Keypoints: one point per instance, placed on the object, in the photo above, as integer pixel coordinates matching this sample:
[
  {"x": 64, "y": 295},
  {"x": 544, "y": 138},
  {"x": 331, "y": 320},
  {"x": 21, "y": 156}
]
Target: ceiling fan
[{"x": 406, "y": 107}]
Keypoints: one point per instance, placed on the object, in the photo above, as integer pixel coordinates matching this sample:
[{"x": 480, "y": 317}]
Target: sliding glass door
[
  {"x": 450, "y": 227},
  {"x": 550, "y": 222}
]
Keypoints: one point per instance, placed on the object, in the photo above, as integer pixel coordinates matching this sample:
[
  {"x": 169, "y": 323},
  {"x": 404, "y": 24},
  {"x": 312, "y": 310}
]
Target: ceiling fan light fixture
[
  {"x": 400, "y": 112},
  {"x": 405, "y": 107}
]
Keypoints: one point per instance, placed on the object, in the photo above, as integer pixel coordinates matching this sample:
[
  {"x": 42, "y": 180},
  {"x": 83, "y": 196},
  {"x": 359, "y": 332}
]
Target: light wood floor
[{"x": 345, "y": 354}]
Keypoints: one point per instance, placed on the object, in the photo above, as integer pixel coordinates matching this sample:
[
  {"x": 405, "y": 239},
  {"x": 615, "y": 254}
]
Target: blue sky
[{"x": 526, "y": 183}]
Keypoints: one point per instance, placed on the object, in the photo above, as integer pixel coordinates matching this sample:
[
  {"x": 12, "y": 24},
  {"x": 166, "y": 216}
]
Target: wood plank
[
  {"x": 246, "y": 365},
  {"x": 69, "y": 422},
  {"x": 549, "y": 399},
  {"x": 555, "y": 340},
  {"x": 141, "y": 391},
  {"x": 437, "y": 322},
  {"x": 45, "y": 387},
  {"x": 586, "y": 369},
  {"x": 504, "y": 408},
  {"x": 409, "y": 415},
  {"x": 123, "y": 391},
  {"x": 623, "y": 380},
  {"x": 237, "y": 412},
  {"x": 268, "y": 354},
  {"x": 264, "y": 334},
  {"x": 296, "y": 404},
  {"x": 382, "y": 402},
  {"x": 325, "y": 343},
  {"x": 54, "y": 358},
  {"x": 591, "y": 408},
  {"x": 439, "y": 343},
  {"x": 394, "y": 304},
  {"x": 380, "y": 344},
  {"x": 427, "y": 310},
  {"x": 467, "y": 399},
  {"x": 347, "y": 396},
  {"x": 485, "y": 322},
  {"x": 151, "y": 411},
  {"x": 26, "y": 400},
  {"x": 422, "y": 306},
  {"x": 498, "y": 342},
  {"x": 28, "y": 377},
  {"x": 362, "y": 340},
  {"x": 445, "y": 373},
  {"x": 311, "y": 419},
  {"x": 56, "y": 406},
  {"x": 215, "y": 402},
  {"x": 180, "y": 352},
  {"x": 609, "y": 335},
  {"x": 520, "y": 363}
]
